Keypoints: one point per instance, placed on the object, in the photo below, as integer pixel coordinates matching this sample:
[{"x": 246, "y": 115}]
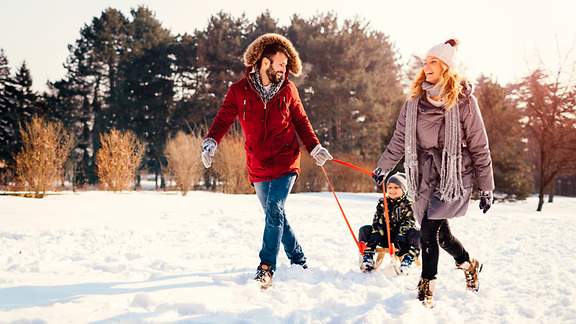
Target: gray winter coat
[{"x": 477, "y": 164}]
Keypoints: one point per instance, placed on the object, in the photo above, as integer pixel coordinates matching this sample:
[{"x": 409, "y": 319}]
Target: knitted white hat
[
  {"x": 445, "y": 52},
  {"x": 398, "y": 179}
]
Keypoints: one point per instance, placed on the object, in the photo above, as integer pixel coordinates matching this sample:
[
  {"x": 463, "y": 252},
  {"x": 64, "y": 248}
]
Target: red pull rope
[
  {"x": 352, "y": 166},
  {"x": 361, "y": 245},
  {"x": 386, "y": 214}
]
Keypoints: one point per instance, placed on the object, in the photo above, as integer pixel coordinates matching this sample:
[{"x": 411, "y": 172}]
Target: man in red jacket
[{"x": 272, "y": 117}]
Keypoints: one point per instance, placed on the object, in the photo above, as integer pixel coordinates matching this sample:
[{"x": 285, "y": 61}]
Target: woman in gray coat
[{"x": 442, "y": 137}]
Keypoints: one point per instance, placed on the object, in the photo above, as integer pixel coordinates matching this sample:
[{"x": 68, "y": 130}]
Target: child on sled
[{"x": 403, "y": 232}]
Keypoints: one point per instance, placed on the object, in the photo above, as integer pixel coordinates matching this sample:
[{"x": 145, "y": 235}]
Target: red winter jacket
[{"x": 271, "y": 144}]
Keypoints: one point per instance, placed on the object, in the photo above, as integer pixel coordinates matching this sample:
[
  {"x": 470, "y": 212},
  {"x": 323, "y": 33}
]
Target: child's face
[{"x": 394, "y": 191}]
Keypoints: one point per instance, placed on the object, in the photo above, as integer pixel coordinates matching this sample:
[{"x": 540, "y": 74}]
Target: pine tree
[
  {"x": 350, "y": 85},
  {"x": 220, "y": 49},
  {"x": 149, "y": 86},
  {"x": 8, "y": 116},
  {"x": 26, "y": 98},
  {"x": 89, "y": 97}
]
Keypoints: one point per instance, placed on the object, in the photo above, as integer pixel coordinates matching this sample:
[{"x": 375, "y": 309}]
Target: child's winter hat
[
  {"x": 399, "y": 179},
  {"x": 445, "y": 51}
]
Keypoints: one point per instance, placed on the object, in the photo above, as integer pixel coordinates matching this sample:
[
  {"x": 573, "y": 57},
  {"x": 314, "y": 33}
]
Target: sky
[{"x": 504, "y": 40}]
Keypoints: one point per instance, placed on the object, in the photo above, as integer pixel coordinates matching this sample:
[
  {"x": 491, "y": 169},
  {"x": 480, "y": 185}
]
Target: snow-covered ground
[{"x": 159, "y": 257}]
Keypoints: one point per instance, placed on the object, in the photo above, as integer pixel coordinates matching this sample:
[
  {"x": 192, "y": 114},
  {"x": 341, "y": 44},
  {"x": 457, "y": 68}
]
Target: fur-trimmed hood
[{"x": 254, "y": 52}]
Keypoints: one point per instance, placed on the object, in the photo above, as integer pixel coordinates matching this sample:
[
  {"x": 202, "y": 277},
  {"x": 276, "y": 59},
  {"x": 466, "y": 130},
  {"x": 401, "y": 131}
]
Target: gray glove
[
  {"x": 320, "y": 155},
  {"x": 209, "y": 146},
  {"x": 379, "y": 175}
]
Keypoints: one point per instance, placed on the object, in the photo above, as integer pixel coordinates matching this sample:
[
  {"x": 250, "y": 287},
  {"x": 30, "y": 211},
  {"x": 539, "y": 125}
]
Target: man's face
[{"x": 277, "y": 67}]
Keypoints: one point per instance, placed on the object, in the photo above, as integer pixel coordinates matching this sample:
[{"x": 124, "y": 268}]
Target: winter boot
[
  {"x": 301, "y": 263},
  {"x": 264, "y": 275},
  {"x": 471, "y": 269},
  {"x": 425, "y": 291},
  {"x": 406, "y": 263},
  {"x": 367, "y": 261}
]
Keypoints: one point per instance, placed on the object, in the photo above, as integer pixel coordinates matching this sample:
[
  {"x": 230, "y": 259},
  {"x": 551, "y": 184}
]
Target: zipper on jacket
[
  {"x": 264, "y": 102},
  {"x": 265, "y": 119},
  {"x": 244, "y": 113}
]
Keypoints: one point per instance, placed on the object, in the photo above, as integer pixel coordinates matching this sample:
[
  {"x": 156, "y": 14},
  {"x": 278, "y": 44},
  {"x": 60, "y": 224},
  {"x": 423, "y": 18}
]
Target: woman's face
[{"x": 433, "y": 69}]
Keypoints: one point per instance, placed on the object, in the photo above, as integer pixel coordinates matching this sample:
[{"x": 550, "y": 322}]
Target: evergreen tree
[
  {"x": 220, "y": 49},
  {"x": 149, "y": 85},
  {"x": 8, "y": 115},
  {"x": 88, "y": 99},
  {"x": 18, "y": 102},
  {"x": 350, "y": 85},
  {"x": 26, "y": 98}
]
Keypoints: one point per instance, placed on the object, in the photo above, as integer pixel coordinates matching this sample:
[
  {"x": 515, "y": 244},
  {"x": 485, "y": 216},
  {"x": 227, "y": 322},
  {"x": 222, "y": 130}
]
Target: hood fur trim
[{"x": 254, "y": 52}]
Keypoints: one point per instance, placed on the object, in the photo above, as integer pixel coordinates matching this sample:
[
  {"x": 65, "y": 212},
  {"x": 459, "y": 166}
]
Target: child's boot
[
  {"x": 406, "y": 263},
  {"x": 367, "y": 261}
]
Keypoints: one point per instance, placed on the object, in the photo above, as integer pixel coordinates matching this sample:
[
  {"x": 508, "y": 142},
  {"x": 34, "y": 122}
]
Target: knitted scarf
[
  {"x": 451, "y": 186},
  {"x": 266, "y": 95}
]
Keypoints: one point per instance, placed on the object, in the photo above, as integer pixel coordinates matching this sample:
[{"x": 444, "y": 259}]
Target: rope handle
[{"x": 361, "y": 245}]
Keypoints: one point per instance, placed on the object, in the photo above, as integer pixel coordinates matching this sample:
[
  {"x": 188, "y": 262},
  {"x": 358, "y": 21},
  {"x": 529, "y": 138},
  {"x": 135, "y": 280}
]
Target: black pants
[
  {"x": 412, "y": 242},
  {"x": 437, "y": 233}
]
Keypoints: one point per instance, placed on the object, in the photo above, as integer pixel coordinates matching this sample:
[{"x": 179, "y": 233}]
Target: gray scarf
[
  {"x": 266, "y": 95},
  {"x": 451, "y": 186}
]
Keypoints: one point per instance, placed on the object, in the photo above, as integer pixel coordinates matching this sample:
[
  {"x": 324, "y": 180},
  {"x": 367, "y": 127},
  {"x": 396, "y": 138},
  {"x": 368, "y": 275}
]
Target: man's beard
[{"x": 274, "y": 76}]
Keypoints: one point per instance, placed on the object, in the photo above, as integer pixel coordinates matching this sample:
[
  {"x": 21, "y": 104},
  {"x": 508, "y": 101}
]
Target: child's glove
[{"x": 486, "y": 199}]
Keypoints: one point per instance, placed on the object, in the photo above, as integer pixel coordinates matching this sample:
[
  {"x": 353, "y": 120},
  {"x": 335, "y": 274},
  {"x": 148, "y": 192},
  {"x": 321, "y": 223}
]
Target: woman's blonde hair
[{"x": 450, "y": 83}]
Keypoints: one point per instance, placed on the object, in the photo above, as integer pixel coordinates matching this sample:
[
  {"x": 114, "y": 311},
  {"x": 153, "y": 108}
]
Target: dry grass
[
  {"x": 343, "y": 178},
  {"x": 117, "y": 159},
  {"x": 230, "y": 165},
  {"x": 349, "y": 180},
  {"x": 184, "y": 165},
  {"x": 45, "y": 149},
  {"x": 311, "y": 178}
]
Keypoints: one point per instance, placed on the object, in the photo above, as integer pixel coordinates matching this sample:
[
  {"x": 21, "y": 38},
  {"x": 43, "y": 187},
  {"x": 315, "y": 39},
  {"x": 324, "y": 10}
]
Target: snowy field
[{"x": 96, "y": 257}]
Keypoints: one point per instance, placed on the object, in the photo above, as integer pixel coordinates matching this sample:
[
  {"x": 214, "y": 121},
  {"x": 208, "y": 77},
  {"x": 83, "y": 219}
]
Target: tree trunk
[
  {"x": 540, "y": 200},
  {"x": 542, "y": 175},
  {"x": 551, "y": 192},
  {"x": 161, "y": 169},
  {"x": 138, "y": 184}
]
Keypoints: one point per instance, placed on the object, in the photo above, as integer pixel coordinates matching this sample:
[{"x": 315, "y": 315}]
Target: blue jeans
[{"x": 272, "y": 196}]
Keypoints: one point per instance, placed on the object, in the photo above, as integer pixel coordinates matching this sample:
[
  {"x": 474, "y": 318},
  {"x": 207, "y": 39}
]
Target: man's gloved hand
[
  {"x": 209, "y": 146},
  {"x": 320, "y": 155},
  {"x": 379, "y": 176},
  {"x": 486, "y": 199}
]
